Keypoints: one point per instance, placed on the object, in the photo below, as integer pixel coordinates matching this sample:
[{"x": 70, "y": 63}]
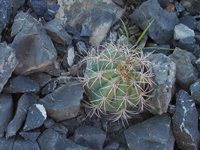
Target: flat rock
[
  {"x": 57, "y": 32},
  {"x": 90, "y": 137},
  {"x": 50, "y": 87},
  {"x": 21, "y": 84},
  {"x": 181, "y": 31},
  {"x": 30, "y": 135},
  {"x": 35, "y": 117},
  {"x": 51, "y": 140},
  {"x": 99, "y": 16},
  {"x": 165, "y": 71},
  {"x": 30, "y": 43},
  {"x": 161, "y": 31},
  {"x": 6, "y": 109},
  {"x": 188, "y": 44},
  {"x": 64, "y": 102},
  {"x": 8, "y": 63},
  {"x": 25, "y": 101},
  {"x": 186, "y": 73},
  {"x": 185, "y": 122},
  {"x": 154, "y": 133}
]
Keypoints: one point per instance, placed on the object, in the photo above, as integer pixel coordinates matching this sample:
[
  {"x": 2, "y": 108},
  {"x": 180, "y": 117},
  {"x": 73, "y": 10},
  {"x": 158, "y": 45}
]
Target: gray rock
[
  {"x": 187, "y": 43},
  {"x": 21, "y": 84},
  {"x": 189, "y": 21},
  {"x": 41, "y": 78},
  {"x": 178, "y": 6},
  {"x": 51, "y": 12},
  {"x": 86, "y": 31},
  {"x": 187, "y": 3},
  {"x": 90, "y": 137},
  {"x": 57, "y": 32},
  {"x": 51, "y": 140},
  {"x": 154, "y": 133},
  {"x": 25, "y": 101},
  {"x": 185, "y": 122},
  {"x": 48, "y": 123},
  {"x": 113, "y": 146},
  {"x": 99, "y": 16},
  {"x": 198, "y": 64},
  {"x": 186, "y": 73},
  {"x": 8, "y": 62},
  {"x": 165, "y": 71},
  {"x": 157, "y": 50},
  {"x": 64, "y": 102},
  {"x": 181, "y": 31},
  {"x": 61, "y": 49},
  {"x": 31, "y": 135},
  {"x": 39, "y": 6},
  {"x": 198, "y": 25},
  {"x": 58, "y": 127},
  {"x": 30, "y": 43},
  {"x": 6, "y": 144},
  {"x": 70, "y": 124},
  {"x": 69, "y": 57},
  {"x": 195, "y": 91},
  {"x": 20, "y": 144},
  {"x": 6, "y": 109},
  {"x": 195, "y": 8},
  {"x": 16, "y": 5},
  {"x": 82, "y": 50},
  {"x": 161, "y": 31},
  {"x": 50, "y": 87},
  {"x": 35, "y": 117}
]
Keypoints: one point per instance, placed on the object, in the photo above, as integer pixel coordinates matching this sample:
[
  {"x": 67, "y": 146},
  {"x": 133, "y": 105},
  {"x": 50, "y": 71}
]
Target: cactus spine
[{"x": 118, "y": 81}]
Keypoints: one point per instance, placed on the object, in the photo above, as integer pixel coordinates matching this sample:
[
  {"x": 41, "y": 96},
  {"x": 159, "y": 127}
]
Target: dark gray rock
[
  {"x": 39, "y": 6},
  {"x": 20, "y": 144},
  {"x": 56, "y": 31},
  {"x": 178, "y": 6},
  {"x": 30, "y": 135},
  {"x": 58, "y": 127},
  {"x": 16, "y": 5},
  {"x": 187, "y": 43},
  {"x": 61, "y": 49},
  {"x": 165, "y": 71},
  {"x": 186, "y": 73},
  {"x": 82, "y": 50},
  {"x": 185, "y": 122},
  {"x": 90, "y": 137},
  {"x": 198, "y": 25},
  {"x": 99, "y": 17},
  {"x": 51, "y": 140},
  {"x": 86, "y": 31},
  {"x": 154, "y": 133},
  {"x": 72, "y": 30},
  {"x": 64, "y": 102},
  {"x": 35, "y": 117},
  {"x": 189, "y": 21},
  {"x": 6, "y": 144},
  {"x": 6, "y": 109},
  {"x": 181, "y": 31},
  {"x": 41, "y": 78},
  {"x": 71, "y": 125},
  {"x": 30, "y": 43},
  {"x": 195, "y": 8},
  {"x": 69, "y": 57},
  {"x": 5, "y": 11},
  {"x": 8, "y": 62},
  {"x": 161, "y": 31},
  {"x": 171, "y": 109},
  {"x": 113, "y": 146},
  {"x": 163, "y": 3},
  {"x": 50, "y": 87},
  {"x": 48, "y": 123},
  {"x": 51, "y": 12},
  {"x": 25, "y": 101},
  {"x": 157, "y": 50},
  {"x": 198, "y": 64},
  {"x": 195, "y": 91},
  {"x": 21, "y": 84}
]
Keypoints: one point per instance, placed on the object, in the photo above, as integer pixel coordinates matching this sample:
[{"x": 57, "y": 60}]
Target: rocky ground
[{"x": 42, "y": 44}]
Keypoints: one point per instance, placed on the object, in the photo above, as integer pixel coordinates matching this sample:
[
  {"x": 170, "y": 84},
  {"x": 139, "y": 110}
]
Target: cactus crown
[{"x": 118, "y": 81}]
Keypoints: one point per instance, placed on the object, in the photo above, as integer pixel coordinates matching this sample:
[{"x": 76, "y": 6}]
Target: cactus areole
[{"x": 118, "y": 81}]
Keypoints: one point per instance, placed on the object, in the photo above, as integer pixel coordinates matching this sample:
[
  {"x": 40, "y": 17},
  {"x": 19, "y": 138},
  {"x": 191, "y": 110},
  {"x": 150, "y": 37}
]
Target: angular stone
[
  {"x": 187, "y": 43},
  {"x": 86, "y": 31},
  {"x": 25, "y": 101},
  {"x": 187, "y": 3},
  {"x": 90, "y": 136},
  {"x": 161, "y": 30},
  {"x": 70, "y": 124},
  {"x": 61, "y": 49},
  {"x": 81, "y": 47},
  {"x": 8, "y": 63},
  {"x": 154, "y": 133},
  {"x": 39, "y": 6},
  {"x": 69, "y": 57},
  {"x": 198, "y": 25},
  {"x": 51, "y": 12},
  {"x": 64, "y": 102},
  {"x": 35, "y": 118},
  {"x": 181, "y": 31},
  {"x": 58, "y": 127},
  {"x": 41, "y": 78},
  {"x": 189, "y": 21},
  {"x": 165, "y": 71},
  {"x": 186, "y": 73},
  {"x": 16, "y": 5},
  {"x": 6, "y": 144},
  {"x": 99, "y": 16},
  {"x": 185, "y": 122},
  {"x": 30, "y": 43},
  {"x": 51, "y": 140},
  {"x": 56, "y": 31},
  {"x": 48, "y": 123},
  {"x": 50, "y": 87},
  {"x": 178, "y": 6},
  {"x": 31, "y": 135},
  {"x": 195, "y": 91},
  {"x": 72, "y": 30},
  {"x": 21, "y": 84},
  {"x": 20, "y": 144},
  {"x": 6, "y": 111}
]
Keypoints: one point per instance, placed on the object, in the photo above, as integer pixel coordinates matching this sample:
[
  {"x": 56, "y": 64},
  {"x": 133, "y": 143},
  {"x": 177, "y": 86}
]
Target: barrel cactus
[{"x": 118, "y": 81}]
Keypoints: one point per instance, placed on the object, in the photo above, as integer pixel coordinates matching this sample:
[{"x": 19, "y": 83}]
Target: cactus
[{"x": 118, "y": 80}]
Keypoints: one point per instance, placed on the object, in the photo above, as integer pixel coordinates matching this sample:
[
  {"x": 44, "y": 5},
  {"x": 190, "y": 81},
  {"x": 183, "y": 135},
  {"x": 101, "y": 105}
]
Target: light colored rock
[{"x": 181, "y": 31}]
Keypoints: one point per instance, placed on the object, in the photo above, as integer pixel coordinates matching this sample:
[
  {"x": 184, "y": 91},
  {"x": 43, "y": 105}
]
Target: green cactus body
[{"x": 117, "y": 80}]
